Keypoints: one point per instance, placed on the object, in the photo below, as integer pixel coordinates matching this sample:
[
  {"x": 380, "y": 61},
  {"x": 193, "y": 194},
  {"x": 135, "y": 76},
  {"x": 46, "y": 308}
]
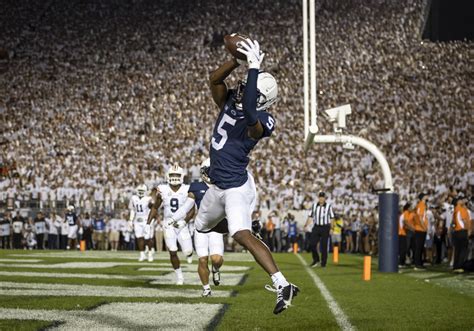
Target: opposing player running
[
  {"x": 241, "y": 123},
  {"x": 207, "y": 244},
  {"x": 140, "y": 205},
  {"x": 173, "y": 195}
]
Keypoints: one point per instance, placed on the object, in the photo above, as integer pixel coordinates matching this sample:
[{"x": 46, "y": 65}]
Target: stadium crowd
[{"x": 96, "y": 98}]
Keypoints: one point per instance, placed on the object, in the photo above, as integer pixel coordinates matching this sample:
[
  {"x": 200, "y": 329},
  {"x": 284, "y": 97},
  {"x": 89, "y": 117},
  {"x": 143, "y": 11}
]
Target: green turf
[{"x": 433, "y": 300}]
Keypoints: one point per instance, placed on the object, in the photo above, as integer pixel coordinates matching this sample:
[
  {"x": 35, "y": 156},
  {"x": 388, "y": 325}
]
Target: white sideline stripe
[
  {"x": 43, "y": 289},
  {"x": 21, "y": 260},
  {"x": 341, "y": 318},
  {"x": 121, "y": 315}
]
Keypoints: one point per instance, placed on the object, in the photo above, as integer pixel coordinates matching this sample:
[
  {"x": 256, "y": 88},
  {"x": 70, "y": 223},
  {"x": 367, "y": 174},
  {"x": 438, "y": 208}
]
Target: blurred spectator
[
  {"x": 462, "y": 231},
  {"x": 40, "y": 229},
  {"x": 17, "y": 226}
]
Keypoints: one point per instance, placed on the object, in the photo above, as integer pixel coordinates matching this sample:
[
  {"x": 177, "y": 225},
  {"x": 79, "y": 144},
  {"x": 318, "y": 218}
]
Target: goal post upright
[{"x": 388, "y": 199}]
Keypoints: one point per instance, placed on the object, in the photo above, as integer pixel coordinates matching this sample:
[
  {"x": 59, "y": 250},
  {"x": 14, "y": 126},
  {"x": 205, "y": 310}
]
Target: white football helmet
[
  {"x": 70, "y": 208},
  {"x": 175, "y": 175},
  {"x": 267, "y": 88},
  {"x": 205, "y": 165},
  {"x": 141, "y": 190}
]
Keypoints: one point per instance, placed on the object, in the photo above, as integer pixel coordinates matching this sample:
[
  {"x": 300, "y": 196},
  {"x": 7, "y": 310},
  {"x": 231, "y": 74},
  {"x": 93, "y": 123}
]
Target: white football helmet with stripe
[{"x": 175, "y": 175}]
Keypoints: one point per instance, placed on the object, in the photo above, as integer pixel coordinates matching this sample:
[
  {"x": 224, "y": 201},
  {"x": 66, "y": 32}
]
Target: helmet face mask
[
  {"x": 141, "y": 190},
  {"x": 175, "y": 175}
]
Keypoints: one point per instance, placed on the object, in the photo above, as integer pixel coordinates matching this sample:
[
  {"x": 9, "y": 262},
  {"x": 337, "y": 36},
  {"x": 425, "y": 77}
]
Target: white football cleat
[
  {"x": 150, "y": 256},
  {"x": 206, "y": 292},
  {"x": 189, "y": 258},
  {"x": 142, "y": 257},
  {"x": 179, "y": 281}
]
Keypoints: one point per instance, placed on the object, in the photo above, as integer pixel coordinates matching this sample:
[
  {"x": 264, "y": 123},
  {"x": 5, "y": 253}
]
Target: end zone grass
[{"x": 416, "y": 301}]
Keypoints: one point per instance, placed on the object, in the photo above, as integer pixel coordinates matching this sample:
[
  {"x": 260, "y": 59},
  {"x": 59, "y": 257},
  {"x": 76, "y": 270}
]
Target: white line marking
[
  {"x": 74, "y": 275},
  {"x": 125, "y": 255},
  {"x": 341, "y": 318},
  {"x": 191, "y": 267},
  {"x": 121, "y": 316},
  {"x": 20, "y": 260},
  {"x": 71, "y": 290},
  {"x": 192, "y": 278}
]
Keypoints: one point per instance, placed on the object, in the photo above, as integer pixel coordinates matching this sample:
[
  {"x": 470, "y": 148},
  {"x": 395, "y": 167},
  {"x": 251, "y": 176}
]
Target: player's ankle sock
[
  {"x": 279, "y": 280},
  {"x": 179, "y": 272},
  {"x": 206, "y": 287}
]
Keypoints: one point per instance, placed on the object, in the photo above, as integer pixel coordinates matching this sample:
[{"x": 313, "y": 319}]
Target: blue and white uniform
[
  {"x": 206, "y": 244},
  {"x": 71, "y": 220},
  {"x": 172, "y": 201},
  {"x": 233, "y": 194}
]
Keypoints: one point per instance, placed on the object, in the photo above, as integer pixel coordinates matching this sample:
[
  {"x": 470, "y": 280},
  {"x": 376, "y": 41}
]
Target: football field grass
[{"x": 111, "y": 290}]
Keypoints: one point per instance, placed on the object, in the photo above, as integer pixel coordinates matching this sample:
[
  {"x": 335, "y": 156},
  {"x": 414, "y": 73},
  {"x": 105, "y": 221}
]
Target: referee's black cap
[{"x": 322, "y": 194}]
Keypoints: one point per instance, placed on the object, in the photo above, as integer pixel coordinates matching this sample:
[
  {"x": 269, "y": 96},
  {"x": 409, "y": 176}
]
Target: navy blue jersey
[
  {"x": 198, "y": 189},
  {"x": 292, "y": 231},
  {"x": 71, "y": 219},
  {"x": 231, "y": 145}
]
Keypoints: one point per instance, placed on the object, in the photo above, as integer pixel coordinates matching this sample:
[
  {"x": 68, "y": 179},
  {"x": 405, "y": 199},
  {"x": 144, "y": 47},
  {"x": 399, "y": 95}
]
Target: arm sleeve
[
  {"x": 249, "y": 103},
  {"x": 183, "y": 211},
  {"x": 331, "y": 213},
  {"x": 268, "y": 123}
]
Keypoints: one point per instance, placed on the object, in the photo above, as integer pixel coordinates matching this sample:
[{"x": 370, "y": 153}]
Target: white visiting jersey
[
  {"x": 141, "y": 207},
  {"x": 172, "y": 200}
]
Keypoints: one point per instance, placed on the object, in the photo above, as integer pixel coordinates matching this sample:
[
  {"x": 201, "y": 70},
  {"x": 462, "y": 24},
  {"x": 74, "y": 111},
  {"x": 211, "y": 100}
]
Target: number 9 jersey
[{"x": 172, "y": 200}]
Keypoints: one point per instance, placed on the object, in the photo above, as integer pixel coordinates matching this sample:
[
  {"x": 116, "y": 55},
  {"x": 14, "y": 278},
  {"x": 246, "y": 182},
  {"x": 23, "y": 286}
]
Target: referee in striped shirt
[{"x": 321, "y": 216}]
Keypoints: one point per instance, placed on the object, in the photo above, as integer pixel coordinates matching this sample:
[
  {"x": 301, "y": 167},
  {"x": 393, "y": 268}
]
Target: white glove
[
  {"x": 251, "y": 49},
  {"x": 81, "y": 231},
  {"x": 147, "y": 231},
  {"x": 169, "y": 222},
  {"x": 180, "y": 224}
]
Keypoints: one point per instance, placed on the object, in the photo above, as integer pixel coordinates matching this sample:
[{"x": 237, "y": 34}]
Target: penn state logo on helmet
[
  {"x": 267, "y": 91},
  {"x": 175, "y": 175}
]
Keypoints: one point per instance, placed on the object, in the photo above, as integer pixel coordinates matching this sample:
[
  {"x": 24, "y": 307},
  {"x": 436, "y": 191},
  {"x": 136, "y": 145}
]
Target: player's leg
[
  {"x": 171, "y": 241},
  {"x": 216, "y": 251},
  {"x": 138, "y": 228},
  {"x": 239, "y": 204},
  {"x": 211, "y": 210},
  {"x": 201, "y": 241},
  {"x": 186, "y": 242}
]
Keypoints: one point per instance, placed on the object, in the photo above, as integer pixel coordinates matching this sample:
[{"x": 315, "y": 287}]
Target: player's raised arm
[
  {"x": 217, "y": 84},
  {"x": 254, "y": 58}
]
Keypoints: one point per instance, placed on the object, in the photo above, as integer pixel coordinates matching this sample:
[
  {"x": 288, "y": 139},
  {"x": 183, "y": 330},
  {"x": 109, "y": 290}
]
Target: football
[{"x": 231, "y": 43}]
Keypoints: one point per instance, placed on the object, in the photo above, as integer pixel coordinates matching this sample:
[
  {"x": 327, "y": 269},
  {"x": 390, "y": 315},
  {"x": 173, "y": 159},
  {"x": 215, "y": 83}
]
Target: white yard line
[
  {"x": 120, "y": 316},
  {"x": 191, "y": 267},
  {"x": 72, "y": 290},
  {"x": 126, "y": 255},
  {"x": 341, "y": 318},
  {"x": 20, "y": 260},
  {"x": 190, "y": 278}
]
